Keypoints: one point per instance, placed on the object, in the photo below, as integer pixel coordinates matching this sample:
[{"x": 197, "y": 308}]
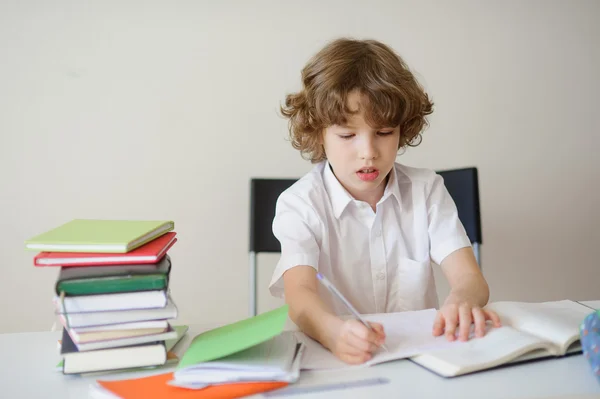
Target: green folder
[
  {"x": 232, "y": 338},
  {"x": 95, "y": 235}
]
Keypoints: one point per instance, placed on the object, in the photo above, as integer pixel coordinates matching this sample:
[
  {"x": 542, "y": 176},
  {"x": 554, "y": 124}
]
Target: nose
[{"x": 367, "y": 149}]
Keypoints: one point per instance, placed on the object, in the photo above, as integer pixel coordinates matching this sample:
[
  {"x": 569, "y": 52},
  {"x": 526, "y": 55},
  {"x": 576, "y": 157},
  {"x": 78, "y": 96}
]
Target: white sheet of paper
[{"x": 407, "y": 334}]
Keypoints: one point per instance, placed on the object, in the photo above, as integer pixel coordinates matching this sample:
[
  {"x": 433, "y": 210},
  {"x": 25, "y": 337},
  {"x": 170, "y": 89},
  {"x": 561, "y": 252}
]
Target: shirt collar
[
  {"x": 393, "y": 188},
  {"x": 340, "y": 197}
]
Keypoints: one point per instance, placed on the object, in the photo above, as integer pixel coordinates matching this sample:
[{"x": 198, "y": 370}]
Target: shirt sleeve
[
  {"x": 297, "y": 227},
  {"x": 446, "y": 232}
]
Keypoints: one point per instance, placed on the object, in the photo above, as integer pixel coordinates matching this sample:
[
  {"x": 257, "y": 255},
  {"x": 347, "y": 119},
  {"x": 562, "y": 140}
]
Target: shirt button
[
  {"x": 380, "y": 275},
  {"x": 378, "y": 233}
]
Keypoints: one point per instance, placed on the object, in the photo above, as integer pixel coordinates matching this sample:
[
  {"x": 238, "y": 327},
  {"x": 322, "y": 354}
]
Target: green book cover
[
  {"x": 232, "y": 338},
  {"x": 91, "y": 280},
  {"x": 97, "y": 235},
  {"x": 112, "y": 285}
]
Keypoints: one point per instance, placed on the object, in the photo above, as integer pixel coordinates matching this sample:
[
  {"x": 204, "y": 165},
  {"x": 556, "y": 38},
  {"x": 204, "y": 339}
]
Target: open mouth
[{"x": 368, "y": 174}]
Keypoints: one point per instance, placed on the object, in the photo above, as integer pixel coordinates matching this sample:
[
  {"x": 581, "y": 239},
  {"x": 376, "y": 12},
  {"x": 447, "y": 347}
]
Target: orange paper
[{"x": 156, "y": 387}]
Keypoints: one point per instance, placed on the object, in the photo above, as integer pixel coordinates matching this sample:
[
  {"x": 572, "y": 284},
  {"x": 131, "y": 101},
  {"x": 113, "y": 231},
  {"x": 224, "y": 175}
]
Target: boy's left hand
[{"x": 460, "y": 316}]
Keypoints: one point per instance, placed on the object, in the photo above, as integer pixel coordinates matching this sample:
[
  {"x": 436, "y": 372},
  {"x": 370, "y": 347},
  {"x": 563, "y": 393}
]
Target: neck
[{"x": 373, "y": 197}]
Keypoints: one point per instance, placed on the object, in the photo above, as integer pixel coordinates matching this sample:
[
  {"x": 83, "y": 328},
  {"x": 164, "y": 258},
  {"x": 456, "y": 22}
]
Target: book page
[
  {"x": 497, "y": 347},
  {"x": 277, "y": 359},
  {"x": 557, "y": 322},
  {"x": 407, "y": 334}
]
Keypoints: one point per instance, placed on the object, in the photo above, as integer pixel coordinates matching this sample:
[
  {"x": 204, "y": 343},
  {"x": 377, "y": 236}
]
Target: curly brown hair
[{"x": 395, "y": 98}]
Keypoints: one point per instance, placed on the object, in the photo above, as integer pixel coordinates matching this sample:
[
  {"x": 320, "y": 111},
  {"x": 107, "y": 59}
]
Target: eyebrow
[{"x": 350, "y": 126}]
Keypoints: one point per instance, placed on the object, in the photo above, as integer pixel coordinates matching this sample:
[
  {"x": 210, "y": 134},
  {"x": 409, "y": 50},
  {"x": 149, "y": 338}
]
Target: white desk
[{"x": 27, "y": 370}]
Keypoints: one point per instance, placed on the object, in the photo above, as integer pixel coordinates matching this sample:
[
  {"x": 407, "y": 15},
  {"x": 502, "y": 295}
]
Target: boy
[{"x": 367, "y": 223}]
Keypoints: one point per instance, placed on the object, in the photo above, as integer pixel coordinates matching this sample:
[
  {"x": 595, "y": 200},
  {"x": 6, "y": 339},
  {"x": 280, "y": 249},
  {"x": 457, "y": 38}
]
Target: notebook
[
  {"x": 529, "y": 331},
  {"x": 89, "y": 280},
  {"x": 235, "y": 337},
  {"x": 149, "y": 253},
  {"x": 96, "y": 235},
  {"x": 408, "y": 334},
  {"x": 277, "y": 359},
  {"x": 254, "y": 349}
]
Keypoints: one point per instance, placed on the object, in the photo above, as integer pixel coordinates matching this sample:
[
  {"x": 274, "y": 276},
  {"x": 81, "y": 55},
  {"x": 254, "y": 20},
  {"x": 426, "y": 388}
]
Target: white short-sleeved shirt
[{"x": 380, "y": 261}]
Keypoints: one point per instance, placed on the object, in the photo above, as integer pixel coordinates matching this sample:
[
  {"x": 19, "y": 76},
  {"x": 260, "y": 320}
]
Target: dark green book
[{"x": 90, "y": 280}]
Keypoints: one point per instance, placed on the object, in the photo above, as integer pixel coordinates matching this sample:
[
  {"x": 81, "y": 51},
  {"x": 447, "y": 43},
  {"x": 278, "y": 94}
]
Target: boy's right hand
[{"x": 354, "y": 343}]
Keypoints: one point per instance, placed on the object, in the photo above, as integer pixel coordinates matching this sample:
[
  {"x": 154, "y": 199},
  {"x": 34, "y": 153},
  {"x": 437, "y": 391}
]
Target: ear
[{"x": 320, "y": 137}]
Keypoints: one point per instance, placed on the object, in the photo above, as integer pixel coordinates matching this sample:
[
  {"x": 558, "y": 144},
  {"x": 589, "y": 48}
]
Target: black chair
[
  {"x": 263, "y": 198},
  {"x": 462, "y": 185}
]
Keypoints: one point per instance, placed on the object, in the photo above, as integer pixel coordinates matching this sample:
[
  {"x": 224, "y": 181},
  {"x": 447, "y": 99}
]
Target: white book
[
  {"x": 116, "y": 301},
  {"x": 128, "y": 341},
  {"x": 111, "y": 335},
  {"x": 79, "y": 362},
  {"x": 115, "y": 359},
  {"x": 529, "y": 331},
  {"x": 124, "y": 326},
  {"x": 116, "y": 317}
]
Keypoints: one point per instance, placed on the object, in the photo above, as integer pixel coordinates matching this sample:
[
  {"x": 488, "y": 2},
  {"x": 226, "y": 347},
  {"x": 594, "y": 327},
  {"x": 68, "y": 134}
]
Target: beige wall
[{"x": 117, "y": 110}]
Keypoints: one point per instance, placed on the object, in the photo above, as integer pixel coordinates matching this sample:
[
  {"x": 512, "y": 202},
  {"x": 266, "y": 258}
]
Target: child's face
[{"x": 361, "y": 156}]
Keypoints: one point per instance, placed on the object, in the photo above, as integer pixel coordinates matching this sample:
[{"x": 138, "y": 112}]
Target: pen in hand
[{"x": 348, "y": 305}]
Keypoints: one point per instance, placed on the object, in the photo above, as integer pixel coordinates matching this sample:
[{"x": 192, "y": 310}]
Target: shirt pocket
[{"x": 411, "y": 285}]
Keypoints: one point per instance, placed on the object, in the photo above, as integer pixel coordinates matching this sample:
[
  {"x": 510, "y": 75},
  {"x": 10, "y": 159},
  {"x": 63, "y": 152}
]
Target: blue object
[
  {"x": 299, "y": 389},
  {"x": 590, "y": 341}
]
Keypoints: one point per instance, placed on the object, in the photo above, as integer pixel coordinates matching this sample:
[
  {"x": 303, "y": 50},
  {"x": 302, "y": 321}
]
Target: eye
[
  {"x": 346, "y": 136},
  {"x": 385, "y": 132}
]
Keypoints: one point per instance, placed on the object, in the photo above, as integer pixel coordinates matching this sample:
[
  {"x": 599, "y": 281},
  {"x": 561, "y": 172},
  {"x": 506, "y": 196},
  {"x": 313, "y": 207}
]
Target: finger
[
  {"x": 479, "y": 321},
  {"x": 451, "y": 319},
  {"x": 465, "y": 320},
  {"x": 438, "y": 324},
  {"x": 346, "y": 347},
  {"x": 493, "y": 316},
  {"x": 379, "y": 331},
  {"x": 363, "y": 332},
  {"x": 354, "y": 359},
  {"x": 361, "y": 344},
  {"x": 378, "y": 328}
]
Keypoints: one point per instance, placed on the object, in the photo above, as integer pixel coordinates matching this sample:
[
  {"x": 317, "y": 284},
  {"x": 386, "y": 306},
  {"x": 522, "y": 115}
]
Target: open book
[
  {"x": 407, "y": 333},
  {"x": 529, "y": 331}
]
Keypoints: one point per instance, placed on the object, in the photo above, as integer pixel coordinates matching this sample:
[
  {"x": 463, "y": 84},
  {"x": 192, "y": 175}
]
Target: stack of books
[{"x": 112, "y": 292}]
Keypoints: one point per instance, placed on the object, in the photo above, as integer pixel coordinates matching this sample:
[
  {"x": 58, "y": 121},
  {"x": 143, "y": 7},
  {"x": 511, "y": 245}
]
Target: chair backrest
[
  {"x": 463, "y": 186},
  {"x": 263, "y": 198}
]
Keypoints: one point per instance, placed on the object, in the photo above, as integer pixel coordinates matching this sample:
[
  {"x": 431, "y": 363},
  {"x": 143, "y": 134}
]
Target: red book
[{"x": 150, "y": 252}]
